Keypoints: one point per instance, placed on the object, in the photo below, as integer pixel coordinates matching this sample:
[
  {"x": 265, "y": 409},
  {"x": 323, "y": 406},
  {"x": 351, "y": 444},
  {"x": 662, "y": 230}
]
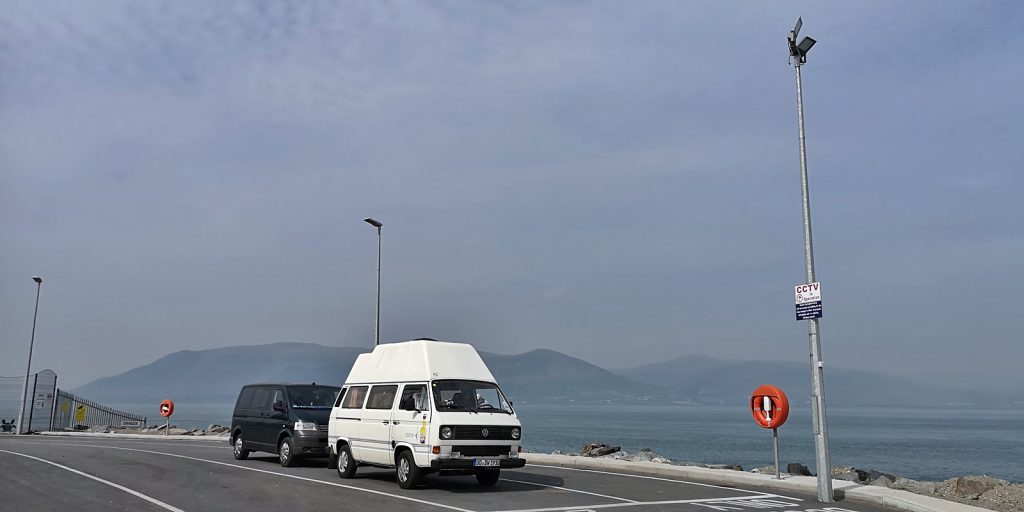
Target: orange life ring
[
  {"x": 167, "y": 408},
  {"x": 778, "y": 406}
]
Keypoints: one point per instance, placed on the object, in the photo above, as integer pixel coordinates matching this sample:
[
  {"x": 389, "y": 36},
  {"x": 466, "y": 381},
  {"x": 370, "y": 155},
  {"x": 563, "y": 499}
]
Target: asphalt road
[{"x": 40, "y": 473}]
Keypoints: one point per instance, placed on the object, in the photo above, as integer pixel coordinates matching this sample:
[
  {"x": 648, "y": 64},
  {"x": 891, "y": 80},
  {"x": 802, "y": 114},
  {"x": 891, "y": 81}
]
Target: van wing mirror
[{"x": 279, "y": 406}]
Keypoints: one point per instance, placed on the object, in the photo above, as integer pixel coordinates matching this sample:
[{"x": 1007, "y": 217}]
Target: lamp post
[
  {"x": 31, "y": 344},
  {"x": 798, "y": 56},
  {"x": 376, "y": 329}
]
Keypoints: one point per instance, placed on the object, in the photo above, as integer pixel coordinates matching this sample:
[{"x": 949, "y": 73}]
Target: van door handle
[
  {"x": 394, "y": 423},
  {"x": 386, "y": 422}
]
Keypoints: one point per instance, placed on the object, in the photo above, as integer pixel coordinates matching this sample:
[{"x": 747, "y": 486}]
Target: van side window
[
  {"x": 341, "y": 394},
  {"x": 354, "y": 397},
  {"x": 382, "y": 397},
  {"x": 245, "y": 398},
  {"x": 261, "y": 400},
  {"x": 276, "y": 398},
  {"x": 414, "y": 398}
]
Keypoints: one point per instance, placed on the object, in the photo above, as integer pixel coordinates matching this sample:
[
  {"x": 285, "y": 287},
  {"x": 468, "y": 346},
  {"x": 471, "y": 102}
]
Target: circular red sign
[
  {"x": 166, "y": 408},
  {"x": 769, "y": 406}
]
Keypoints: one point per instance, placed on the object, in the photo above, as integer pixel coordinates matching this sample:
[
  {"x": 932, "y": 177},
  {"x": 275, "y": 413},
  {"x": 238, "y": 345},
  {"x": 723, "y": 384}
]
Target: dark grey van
[{"x": 287, "y": 419}]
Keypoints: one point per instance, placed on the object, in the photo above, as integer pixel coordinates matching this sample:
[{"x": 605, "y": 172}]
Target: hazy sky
[{"x": 618, "y": 181}]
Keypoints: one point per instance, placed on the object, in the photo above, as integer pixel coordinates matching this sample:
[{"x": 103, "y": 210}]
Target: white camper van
[{"x": 421, "y": 407}]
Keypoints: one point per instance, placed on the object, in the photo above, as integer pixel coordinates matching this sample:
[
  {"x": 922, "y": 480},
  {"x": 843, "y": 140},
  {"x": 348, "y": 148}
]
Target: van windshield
[
  {"x": 469, "y": 395},
  {"x": 312, "y": 397}
]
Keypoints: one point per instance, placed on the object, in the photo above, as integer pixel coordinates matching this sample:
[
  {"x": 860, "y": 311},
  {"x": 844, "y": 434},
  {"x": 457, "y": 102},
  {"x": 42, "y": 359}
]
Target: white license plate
[{"x": 487, "y": 463}]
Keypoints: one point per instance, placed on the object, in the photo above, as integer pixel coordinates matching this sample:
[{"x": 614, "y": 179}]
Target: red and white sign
[
  {"x": 808, "y": 292},
  {"x": 769, "y": 406},
  {"x": 166, "y": 408}
]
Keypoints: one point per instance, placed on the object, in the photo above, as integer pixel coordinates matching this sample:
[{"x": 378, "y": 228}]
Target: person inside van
[{"x": 413, "y": 399}]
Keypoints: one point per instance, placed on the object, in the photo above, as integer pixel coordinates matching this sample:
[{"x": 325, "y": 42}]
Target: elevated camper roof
[{"x": 419, "y": 360}]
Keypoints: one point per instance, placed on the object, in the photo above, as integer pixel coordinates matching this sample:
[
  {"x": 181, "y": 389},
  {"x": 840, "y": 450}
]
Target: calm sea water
[{"x": 923, "y": 444}]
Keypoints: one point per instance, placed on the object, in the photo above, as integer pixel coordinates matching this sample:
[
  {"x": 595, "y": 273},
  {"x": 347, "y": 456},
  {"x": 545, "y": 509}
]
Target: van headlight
[
  {"x": 305, "y": 425},
  {"x": 446, "y": 432},
  {"x": 515, "y": 433}
]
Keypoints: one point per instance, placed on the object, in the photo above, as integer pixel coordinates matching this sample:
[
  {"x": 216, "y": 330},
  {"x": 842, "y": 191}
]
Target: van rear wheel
[
  {"x": 240, "y": 452},
  {"x": 406, "y": 470},
  {"x": 488, "y": 477}
]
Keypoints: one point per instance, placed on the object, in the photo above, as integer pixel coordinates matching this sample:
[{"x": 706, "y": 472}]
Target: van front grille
[
  {"x": 477, "y": 432},
  {"x": 482, "y": 451}
]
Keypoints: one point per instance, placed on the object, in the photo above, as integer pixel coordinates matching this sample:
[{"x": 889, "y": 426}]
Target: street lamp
[
  {"x": 31, "y": 344},
  {"x": 798, "y": 56},
  {"x": 376, "y": 329}
]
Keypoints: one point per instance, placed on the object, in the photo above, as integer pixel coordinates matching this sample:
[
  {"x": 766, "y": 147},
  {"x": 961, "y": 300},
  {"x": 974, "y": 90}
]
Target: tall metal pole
[
  {"x": 31, "y": 345},
  {"x": 820, "y": 427},
  {"x": 376, "y": 329}
]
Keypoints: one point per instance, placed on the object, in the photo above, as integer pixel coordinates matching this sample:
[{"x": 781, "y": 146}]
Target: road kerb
[{"x": 890, "y": 499}]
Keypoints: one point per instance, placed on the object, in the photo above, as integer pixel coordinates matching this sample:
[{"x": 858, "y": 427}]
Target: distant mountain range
[{"x": 214, "y": 376}]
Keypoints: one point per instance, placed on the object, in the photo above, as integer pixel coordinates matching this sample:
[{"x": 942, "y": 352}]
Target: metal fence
[
  {"x": 74, "y": 412},
  {"x": 39, "y": 396},
  {"x": 49, "y": 408}
]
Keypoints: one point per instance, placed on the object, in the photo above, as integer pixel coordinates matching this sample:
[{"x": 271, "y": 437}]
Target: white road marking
[
  {"x": 732, "y": 500},
  {"x": 626, "y": 502},
  {"x": 102, "y": 481},
  {"x": 285, "y": 475},
  {"x": 569, "y": 490},
  {"x": 756, "y": 493}
]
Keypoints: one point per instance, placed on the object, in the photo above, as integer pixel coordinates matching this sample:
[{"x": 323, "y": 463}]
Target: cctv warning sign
[{"x": 808, "y": 300}]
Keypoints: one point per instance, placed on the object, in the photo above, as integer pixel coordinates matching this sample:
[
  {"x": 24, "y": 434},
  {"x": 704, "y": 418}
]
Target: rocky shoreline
[
  {"x": 212, "y": 430},
  {"x": 976, "y": 490}
]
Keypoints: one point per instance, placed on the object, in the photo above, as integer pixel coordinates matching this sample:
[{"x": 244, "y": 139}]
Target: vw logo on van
[{"x": 485, "y": 432}]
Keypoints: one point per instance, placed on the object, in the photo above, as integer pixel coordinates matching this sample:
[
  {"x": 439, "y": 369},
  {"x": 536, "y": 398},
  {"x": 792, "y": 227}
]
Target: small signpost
[
  {"x": 808, "y": 300},
  {"x": 131, "y": 423},
  {"x": 166, "y": 410},
  {"x": 770, "y": 408}
]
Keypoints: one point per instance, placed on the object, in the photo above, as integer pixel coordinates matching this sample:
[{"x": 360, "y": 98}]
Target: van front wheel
[
  {"x": 346, "y": 466},
  {"x": 488, "y": 477},
  {"x": 407, "y": 471},
  {"x": 285, "y": 452}
]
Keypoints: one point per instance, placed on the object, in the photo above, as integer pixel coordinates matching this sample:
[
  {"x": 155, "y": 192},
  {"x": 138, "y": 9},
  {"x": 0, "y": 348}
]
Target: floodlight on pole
[
  {"x": 798, "y": 51},
  {"x": 31, "y": 345},
  {"x": 376, "y": 328},
  {"x": 798, "y": 56}
]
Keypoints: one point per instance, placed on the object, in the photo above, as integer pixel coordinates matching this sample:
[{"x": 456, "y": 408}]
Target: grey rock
[
  {"x": 969, "y": 487},
  {"x": 795, "y": 468},
  {"x": 643, "y": 456},
  {"x": 845, "y": 473},
  {"x": 882, "y": 481},
  {"x": 925, "y": 488},
  {"x": 598, "y": 450}
]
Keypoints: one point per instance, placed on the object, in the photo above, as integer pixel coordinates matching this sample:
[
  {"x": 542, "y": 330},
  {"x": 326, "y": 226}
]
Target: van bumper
[
  {"x": 310, "y": 443},
  {"x": 446, "y": 464}
]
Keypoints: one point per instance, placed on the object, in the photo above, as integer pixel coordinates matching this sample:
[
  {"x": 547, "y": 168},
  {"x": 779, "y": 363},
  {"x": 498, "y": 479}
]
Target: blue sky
[{"x": 614, "y": 180}]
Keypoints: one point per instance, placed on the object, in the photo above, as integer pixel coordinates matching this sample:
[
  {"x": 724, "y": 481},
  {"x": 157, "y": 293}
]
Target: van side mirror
[{"x": 279, "y": 406}]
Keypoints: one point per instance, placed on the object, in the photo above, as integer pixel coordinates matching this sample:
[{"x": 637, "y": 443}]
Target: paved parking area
[{"x": 55, "y": 473}]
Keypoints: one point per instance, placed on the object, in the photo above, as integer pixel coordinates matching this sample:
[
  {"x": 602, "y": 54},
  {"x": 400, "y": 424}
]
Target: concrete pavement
[{"x": 890, "y": 499}]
